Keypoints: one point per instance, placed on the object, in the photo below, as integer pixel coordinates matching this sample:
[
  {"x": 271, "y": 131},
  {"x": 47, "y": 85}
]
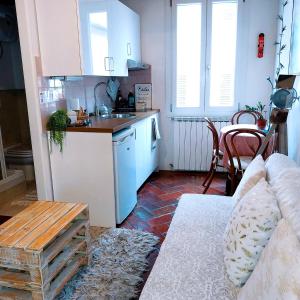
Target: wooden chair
[
  {"x": 252, "y": 113},
  {"x": 237, "y": 164},
  {"x": 217, "y": 155}
]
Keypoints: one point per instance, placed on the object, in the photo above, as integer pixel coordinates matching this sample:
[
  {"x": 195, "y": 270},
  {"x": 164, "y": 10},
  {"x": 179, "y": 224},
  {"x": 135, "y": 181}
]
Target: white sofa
[{"x": 190, "y": 263}]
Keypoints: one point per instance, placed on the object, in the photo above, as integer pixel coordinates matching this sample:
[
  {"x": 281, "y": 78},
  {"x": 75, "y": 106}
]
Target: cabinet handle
[
  {"x": 112, "y": 64},
  {"x": 129, "y": 49},
  {"x": 105, "y": 63}
]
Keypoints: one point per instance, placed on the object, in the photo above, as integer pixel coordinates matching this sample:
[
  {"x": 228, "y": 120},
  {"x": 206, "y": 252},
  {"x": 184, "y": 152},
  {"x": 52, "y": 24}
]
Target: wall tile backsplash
[
  {"x": 82, "y": 88},
  {"x": 127, "y": 83}
]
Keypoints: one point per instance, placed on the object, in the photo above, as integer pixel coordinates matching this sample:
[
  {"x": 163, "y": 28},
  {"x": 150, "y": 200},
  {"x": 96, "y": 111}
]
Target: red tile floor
[{"x": 157, "y": 201}]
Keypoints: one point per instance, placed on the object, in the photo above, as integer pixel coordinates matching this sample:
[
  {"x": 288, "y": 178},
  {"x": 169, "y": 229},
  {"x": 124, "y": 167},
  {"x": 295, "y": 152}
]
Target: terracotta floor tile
[
  {"x": 170, "y": 196},
  {"x": 161, "y": 220},
  {"x": 164, "y": 210},
  {"x": 143, "y": 213}
]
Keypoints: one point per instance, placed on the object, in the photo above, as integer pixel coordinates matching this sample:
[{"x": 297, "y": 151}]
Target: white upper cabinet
[
  {"x": 132, "y": 36},
  {"x": 58, "y": 37},
  {"x": 86, "y": 37},
  {"x": 94, "y": 37}
]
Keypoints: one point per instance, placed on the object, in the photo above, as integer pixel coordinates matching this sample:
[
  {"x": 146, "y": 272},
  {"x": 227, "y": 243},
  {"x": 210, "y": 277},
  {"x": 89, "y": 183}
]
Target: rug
[{"x": 118, "y": 262}]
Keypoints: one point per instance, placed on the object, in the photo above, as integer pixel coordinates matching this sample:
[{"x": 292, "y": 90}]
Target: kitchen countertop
[{"x": 112, "y": 125}]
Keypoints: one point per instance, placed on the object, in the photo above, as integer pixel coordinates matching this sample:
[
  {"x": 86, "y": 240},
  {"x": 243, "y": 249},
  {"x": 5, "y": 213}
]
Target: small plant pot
[{"x": 261, "y": 123}]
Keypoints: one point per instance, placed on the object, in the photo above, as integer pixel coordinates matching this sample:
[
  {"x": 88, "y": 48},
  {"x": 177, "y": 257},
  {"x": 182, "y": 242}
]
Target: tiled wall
[
  {"x": 55, "y": 93},
  {"x": 127, "y": 83}
]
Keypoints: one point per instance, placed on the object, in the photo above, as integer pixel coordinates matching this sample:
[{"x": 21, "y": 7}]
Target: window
[
  {"x": 188, "y": 55},
  {"x": 223, "y": 53},
  {"x": 205, "y": 40}
]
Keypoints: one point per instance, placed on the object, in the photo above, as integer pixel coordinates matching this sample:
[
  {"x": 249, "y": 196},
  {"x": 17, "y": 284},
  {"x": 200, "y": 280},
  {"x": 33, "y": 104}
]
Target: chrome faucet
[{"x": 103, "y": 110}]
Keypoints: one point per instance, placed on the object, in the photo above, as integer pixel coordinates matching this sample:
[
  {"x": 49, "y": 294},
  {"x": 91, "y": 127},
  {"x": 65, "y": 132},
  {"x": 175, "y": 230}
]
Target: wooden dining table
[{"x": 245, "y": 143}]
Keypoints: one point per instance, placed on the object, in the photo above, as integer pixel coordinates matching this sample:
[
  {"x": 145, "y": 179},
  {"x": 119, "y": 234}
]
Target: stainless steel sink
[{"x": 119, "y": 116}]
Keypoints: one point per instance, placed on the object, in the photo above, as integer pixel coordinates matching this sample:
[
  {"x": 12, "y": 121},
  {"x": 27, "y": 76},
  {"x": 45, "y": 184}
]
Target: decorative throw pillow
[
  {"x": 251, "y": 224},
  {"x": 254, "y": 172},
  {"x": 277, "y": 273},
  {"x": 276, "y": 163},
  {"x": 287, "y": 186}
]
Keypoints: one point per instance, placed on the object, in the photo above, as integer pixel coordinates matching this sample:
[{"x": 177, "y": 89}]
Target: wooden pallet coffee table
[{"x": 41, "y": 248}]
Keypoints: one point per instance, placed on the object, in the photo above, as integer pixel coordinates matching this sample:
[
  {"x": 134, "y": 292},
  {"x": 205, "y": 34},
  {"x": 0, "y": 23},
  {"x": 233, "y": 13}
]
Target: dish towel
[
  {"x": 155, "y": 130},
  {"x": 112, "y": 88},
  {"x": 155, "y": 133}
]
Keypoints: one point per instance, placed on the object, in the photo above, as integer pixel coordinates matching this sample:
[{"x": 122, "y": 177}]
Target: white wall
[
  {"x": 30, "y": 52},
  {"x": 153, "y": 41},
  {"x": 293, "y": 124},
  {"x": 259, "y": 16}
]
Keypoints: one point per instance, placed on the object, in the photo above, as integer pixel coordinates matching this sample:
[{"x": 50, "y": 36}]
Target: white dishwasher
[{"x": 125, "y": 173}]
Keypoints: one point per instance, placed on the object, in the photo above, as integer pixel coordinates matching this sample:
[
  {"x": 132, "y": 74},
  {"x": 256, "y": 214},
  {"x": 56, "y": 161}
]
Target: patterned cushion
[
  {"x": 254, "y": 172},
  {"x": 190, "y": 263},
  {"x": 276, "y": 163},
  {"x": 287, "y": 186},
  {"x": 277, "y": 273},
  {"x": 248, "y": 231}
]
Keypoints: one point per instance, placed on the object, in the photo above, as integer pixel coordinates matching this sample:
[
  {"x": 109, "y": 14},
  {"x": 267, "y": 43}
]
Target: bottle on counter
[{"x": 131, "y": 100}]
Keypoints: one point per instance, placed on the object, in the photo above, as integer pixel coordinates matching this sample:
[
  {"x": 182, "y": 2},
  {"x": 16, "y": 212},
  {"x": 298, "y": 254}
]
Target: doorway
[{"x": 17, "y": 176}]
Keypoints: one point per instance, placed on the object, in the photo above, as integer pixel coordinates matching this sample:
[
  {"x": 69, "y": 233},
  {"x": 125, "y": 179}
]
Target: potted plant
[
  {"x": 57, "y": 125},
  {"x": 261, "y": 122}
]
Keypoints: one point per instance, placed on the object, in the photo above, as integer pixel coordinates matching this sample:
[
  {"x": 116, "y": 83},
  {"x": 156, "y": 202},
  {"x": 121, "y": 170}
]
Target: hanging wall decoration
[{"x": 261, "y": 45}]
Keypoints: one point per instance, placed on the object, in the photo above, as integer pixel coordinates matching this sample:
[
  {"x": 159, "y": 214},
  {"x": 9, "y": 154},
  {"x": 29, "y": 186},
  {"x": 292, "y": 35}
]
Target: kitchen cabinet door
[
  {"x": 153, "y": 144},
  {"x": 102, "y": 39},
  {"x": 95, "y": 34},
  {"x": 58, "y": 37},
  {"x": 146, "y": 149},
  {"x": 141, "y": 152},
  {"x": 132, "y": 36},
  {"x": 84, "y": 37},
  {"x": 117, "y": 38}
]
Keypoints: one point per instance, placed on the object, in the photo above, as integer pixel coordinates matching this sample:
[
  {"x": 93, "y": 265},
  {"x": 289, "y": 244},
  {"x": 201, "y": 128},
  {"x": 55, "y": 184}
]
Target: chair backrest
[
  {"x": 210, "y": 125},
  {"x": 230, "y": 137},
  {"x": 255, "y": 115}
]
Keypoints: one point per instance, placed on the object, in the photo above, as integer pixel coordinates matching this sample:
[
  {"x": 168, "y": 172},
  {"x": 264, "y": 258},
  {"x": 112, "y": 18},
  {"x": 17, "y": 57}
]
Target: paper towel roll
[{"x": 74, "y": 104}]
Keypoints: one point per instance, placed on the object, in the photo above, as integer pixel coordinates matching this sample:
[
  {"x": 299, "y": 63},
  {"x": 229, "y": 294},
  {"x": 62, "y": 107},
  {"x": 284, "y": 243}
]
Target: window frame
[
  {"x": 187, "y": 110},
  {"x": 205, "y": 108}
]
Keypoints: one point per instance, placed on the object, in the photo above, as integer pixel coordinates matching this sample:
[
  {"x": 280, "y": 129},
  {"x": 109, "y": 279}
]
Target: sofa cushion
[
  {"x": 254, "y": 172},
  {"x": 190, "y": 264},
  {"x": 276, "y": 163},
  {"x": 277, "y": 273},
  {"x": 251, "y": 224},
  {"x": 287, "y": 188}
]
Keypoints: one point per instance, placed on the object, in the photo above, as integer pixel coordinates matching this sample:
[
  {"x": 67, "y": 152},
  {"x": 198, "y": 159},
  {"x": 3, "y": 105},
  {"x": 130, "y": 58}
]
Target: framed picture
[{"x": 143, "y": 93}]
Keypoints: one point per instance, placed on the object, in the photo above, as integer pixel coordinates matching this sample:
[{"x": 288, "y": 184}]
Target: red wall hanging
[{"x": 261, "y": 45}]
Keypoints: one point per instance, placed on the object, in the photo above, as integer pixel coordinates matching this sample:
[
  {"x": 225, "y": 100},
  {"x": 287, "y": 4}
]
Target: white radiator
[{"x": 193, "y": 142}]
